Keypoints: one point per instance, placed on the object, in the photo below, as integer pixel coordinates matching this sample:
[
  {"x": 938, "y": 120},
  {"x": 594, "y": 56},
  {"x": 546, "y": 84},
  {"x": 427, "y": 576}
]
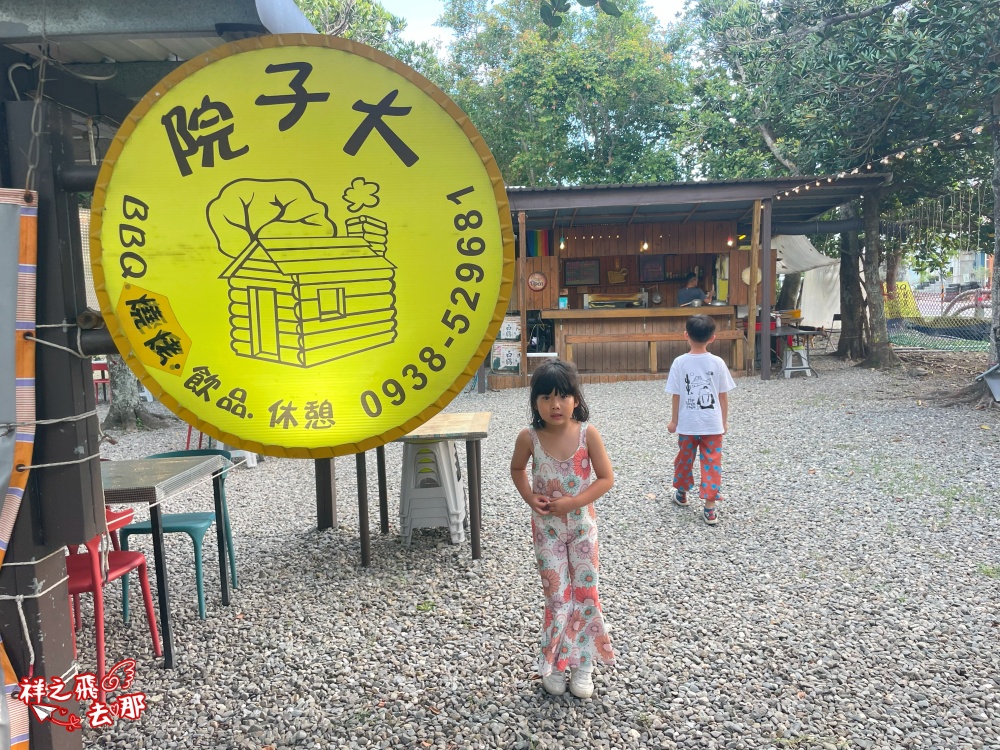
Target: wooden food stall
[{"x": 600, "y": 268}]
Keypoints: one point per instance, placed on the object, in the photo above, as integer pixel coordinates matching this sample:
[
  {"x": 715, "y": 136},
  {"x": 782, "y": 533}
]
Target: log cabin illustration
[{"x": 307, "y": 299}]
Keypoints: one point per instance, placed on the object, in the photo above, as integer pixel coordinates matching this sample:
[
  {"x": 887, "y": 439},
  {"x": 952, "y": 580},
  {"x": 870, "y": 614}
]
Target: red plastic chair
[
  {"x": 84, "y": 571},
  {"x": 102, "y": 381},
  {"x": 115, "y": 519}
]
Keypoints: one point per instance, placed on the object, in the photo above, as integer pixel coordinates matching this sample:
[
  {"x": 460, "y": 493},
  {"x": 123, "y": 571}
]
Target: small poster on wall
[{"x": 651, "y": 268}]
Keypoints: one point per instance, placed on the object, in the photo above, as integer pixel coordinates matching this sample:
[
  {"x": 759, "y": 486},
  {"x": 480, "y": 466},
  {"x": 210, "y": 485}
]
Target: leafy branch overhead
[{"x": 551, "y": 9}]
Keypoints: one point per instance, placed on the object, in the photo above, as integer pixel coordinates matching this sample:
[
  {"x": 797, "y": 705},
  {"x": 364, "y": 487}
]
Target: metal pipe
[
  {"x": 79, "y": 179},
  {"x": 97, "y": 342}
]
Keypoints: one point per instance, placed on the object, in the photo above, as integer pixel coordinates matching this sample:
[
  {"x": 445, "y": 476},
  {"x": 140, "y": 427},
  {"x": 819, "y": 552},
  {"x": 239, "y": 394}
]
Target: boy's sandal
[
  {"x": 680, "y": 498},
  {"x": 711, "y": 515}
]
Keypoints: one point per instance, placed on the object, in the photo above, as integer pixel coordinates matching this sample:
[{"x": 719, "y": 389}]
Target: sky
[{"x": 420, "y": 15}]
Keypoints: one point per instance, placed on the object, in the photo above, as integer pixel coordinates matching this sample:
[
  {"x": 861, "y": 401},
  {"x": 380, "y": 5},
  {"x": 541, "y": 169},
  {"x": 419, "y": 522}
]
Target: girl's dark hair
[{"x": 558, "y": 376}]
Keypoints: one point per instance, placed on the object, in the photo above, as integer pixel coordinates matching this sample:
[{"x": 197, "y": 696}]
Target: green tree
[
  {"x": 366, "y": 21},
  {"x": 833, "y": 87},
  {"x": 597, "y": 103}
]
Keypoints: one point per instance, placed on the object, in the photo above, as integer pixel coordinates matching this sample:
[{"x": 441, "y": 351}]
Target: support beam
[
  {"x": 752, "y": 318},
  {"x": 522, "y": 291},
  {"x": 766, "y": 288}
]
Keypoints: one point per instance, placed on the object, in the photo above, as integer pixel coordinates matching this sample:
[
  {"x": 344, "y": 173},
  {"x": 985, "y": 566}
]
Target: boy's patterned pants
[{"x": 710, "y": 449}]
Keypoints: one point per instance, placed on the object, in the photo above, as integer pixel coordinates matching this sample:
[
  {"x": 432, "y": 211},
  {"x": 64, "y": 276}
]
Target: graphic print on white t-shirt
[
  {"x": 698, "y": 379},
  {"x": 699, "y": 391}
]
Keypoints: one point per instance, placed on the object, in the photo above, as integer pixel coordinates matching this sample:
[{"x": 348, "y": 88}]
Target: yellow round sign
[{"x": 301, "y": 246}]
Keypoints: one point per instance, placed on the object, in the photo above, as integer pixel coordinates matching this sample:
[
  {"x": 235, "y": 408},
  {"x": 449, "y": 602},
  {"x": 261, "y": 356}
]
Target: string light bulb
[
  {"x": 562, "y": 243},
  {"x": 645, "y": 246},
  {"x": 730, "y": 240}
]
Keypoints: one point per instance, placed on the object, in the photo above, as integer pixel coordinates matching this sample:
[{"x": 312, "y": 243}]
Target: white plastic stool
[
  {"x": 802, "y": 353},
  {"x": 432, "y": 493}
]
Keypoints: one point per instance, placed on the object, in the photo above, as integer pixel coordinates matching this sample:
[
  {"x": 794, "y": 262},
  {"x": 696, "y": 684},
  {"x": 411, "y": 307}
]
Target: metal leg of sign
[
  {"x": 383, "y": 492},
  {"x": 366, "y": 548},
  {"x": 326, "y": 494},
  {"x": 472, "y": 455},
  {"x": 220, "y": 531},
  {"x": 162, "y": 591}
]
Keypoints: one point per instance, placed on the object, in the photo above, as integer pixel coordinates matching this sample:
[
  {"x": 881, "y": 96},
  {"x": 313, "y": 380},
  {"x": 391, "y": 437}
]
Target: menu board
[
  {"x": 582, "y": 272},
  {"x": 651, "y": 268}
]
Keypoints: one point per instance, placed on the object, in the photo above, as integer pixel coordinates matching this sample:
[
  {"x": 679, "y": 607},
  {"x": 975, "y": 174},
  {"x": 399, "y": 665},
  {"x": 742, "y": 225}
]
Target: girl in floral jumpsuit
[{"x": 561, "y": 493}]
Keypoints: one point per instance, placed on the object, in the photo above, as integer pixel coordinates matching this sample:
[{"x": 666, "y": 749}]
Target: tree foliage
[
  {"x": 832, "y": 87},
  {"x": 368, "y": 22},
  {"x": 551, "y": 10},
  {"x": 597, "y": 103}
]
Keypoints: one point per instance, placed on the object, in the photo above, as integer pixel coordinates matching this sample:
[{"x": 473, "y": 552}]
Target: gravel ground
[{"x": 847, "y": 599}]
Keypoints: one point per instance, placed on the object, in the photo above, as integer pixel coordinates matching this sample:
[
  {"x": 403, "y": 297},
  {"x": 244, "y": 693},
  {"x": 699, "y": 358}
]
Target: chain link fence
[{"x": 954, "y": 317}]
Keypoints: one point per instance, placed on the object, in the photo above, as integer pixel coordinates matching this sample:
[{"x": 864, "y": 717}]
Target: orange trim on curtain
[{"x": 24, "y": 377}]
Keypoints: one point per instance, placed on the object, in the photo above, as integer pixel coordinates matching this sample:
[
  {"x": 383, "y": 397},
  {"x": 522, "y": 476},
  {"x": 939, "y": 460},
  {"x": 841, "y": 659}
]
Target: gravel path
[{"x": 847, "y": 599}]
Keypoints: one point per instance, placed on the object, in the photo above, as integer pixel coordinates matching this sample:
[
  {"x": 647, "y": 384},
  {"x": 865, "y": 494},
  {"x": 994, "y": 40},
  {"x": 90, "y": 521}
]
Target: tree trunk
[
  {"x": 880, "y": 353},
  {"x": 892, "y": 260},
  {"x": 789, "y": 292},
  {"x": 128, "y": 411},
  {"x": 852, "y": 343},
  {"x": 995, "y": 297}
]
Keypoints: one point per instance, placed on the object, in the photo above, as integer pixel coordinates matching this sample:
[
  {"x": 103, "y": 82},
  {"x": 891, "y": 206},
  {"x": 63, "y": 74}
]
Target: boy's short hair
[
  {"x": 700, "y": 328},
  {"x": 690, "y": 275}
]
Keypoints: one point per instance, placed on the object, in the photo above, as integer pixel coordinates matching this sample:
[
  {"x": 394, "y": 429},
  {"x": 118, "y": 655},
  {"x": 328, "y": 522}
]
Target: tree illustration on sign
[
  {"x": 300, "y": 293},
  {"x": 247, "y": 210}
]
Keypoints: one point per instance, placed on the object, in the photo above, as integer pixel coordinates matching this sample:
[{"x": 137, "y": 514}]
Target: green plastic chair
[{"x": 195, "y": 525}]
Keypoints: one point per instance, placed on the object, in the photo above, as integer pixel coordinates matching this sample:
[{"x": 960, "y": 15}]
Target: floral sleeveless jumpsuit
[{"x": 566, "y": 551}]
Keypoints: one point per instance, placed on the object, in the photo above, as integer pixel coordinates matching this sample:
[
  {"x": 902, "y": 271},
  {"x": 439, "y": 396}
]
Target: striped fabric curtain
[
  {"x": 539, "y": 243},
  {"x": 18, "y": 246}
]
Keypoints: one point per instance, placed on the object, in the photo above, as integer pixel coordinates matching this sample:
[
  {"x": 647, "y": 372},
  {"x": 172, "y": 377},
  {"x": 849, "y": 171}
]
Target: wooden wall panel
[
  {"x": 548, "y": 298},
  {"x": 686, "y": 246},
  {"x": 738, "y": 291}
]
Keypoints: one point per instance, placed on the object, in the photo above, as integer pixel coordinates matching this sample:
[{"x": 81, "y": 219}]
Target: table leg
[
  {"x": 162, "y": 591},
  {"x": 472, "y": 456},
  {"x": 383, "y": 492},
  {"x": 479, "y": 482},
  {"x": 815, "y": 374},
  {"x": 366, "y": 550},
  {"x": 220, "y": 530}
]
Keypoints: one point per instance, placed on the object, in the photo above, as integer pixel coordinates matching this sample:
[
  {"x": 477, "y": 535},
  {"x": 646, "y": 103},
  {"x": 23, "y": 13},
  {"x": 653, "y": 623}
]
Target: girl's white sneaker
[
  {"x": 555, "y": 683},
  {"x": 581, "y": 682}
]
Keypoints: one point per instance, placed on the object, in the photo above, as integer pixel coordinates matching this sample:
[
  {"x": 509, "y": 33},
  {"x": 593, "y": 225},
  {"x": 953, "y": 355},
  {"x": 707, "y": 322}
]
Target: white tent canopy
[
  {"x": 796, "y": 254},
  {"x": 820, "y": 278}
]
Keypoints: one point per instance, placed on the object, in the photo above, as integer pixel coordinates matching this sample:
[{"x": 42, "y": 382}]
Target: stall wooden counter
[{"x": 634, "y": 340}]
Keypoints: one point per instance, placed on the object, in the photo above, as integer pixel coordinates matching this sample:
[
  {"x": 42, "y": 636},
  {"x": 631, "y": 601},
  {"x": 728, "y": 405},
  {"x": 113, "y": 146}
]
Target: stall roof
[
  {"x": 723, "y": 200},
  {"x": 106, "y": 54}
]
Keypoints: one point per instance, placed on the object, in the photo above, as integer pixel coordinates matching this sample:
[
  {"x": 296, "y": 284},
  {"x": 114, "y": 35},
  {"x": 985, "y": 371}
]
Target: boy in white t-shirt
[{"x": 699, "y": 383}]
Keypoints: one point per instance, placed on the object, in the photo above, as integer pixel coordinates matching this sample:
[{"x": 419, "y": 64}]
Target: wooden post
[
  {"x": 522, "y": 366},
  {"x": 64, "y": 504},
  {"x": 766, "y": 287},
  {"x": 752, "y": 293}
]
